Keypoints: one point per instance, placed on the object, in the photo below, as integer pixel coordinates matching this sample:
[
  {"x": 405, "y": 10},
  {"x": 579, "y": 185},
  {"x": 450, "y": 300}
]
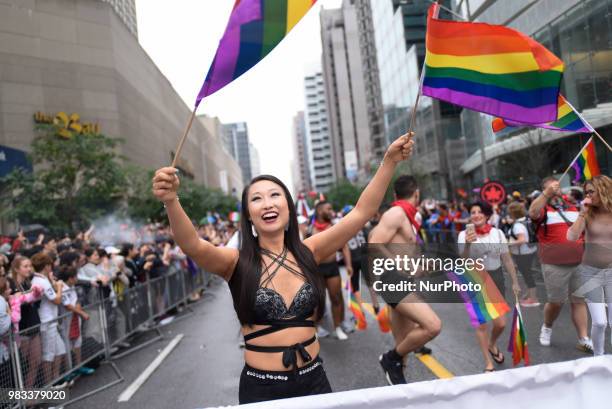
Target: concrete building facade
[
  {"x": 345, "y": 83},
  {"x": 236, "y": 141},
  {"x": 80, "y": 57},
  {"x": 321, "y": 148},
  {"x": 580, "y": 33},
  {"x": 300, "y": 166}
]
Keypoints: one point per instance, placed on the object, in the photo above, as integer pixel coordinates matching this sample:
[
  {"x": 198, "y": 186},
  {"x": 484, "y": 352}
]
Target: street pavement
[{"x": 204, "y": 369}]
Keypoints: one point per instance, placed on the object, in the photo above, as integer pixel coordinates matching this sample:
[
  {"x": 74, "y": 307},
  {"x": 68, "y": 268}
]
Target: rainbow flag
[
  {"x": 518, "y": 340},
  {"x": 491, "y": 69},
  {"x": 586, "y": 165},
  {"x": 355, "y": 308},
  {"x": 568, "y": 120},
  {"x": 384, "y": 321},
  {"x": 255, "y": 27},
  {"x": 482, "y": 306}
]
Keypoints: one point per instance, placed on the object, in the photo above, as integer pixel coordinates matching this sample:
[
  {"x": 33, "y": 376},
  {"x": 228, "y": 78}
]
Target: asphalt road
[{"x": 203, "y": 370}]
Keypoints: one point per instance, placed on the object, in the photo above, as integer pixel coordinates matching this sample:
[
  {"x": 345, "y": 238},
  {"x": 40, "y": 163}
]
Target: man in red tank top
[{"x": 559, "y": 258}]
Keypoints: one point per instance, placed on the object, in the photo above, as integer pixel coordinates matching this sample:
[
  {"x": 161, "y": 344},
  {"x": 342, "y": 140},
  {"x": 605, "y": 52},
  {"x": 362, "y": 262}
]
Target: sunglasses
[{"x": 589, "y": 192}]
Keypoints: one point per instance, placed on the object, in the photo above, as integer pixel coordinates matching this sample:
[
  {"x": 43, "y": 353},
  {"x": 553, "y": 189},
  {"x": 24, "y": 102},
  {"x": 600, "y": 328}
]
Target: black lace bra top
[{"x": 270, "y": 306}]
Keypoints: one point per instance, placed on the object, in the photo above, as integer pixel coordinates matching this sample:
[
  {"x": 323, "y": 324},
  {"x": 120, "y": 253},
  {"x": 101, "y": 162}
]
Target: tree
[
  {"x": 77, "y": 177},
  {"x": 343, "y": 193},
  {"x": 196, "y": 199}
]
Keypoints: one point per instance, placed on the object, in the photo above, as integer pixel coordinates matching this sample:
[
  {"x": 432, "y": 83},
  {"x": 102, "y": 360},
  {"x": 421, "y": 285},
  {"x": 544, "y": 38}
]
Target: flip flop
[
  {"x": 496, "y": 357},
  {"x": 489, "y": 370}
]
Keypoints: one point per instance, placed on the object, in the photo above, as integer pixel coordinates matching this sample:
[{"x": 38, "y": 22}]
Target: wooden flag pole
[
  {"x": 576, "y": 158},
  {"x": 177, "y": 153},
  {"x": 421, "y": 79}
]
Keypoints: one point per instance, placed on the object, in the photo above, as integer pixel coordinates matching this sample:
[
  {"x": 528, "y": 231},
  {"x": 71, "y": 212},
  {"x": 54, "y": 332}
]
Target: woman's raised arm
[
  {"x": 329, "y": 241},
  {"x": 217, "y": 260}
]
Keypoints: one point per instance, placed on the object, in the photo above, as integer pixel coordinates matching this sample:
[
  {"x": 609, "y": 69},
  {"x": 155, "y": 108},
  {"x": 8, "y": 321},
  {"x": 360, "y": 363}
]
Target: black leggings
[
  {"x": 258, "y": 386},
  {"x": 524, "y": 263}
]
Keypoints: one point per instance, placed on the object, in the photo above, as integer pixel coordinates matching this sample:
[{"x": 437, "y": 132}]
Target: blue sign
[{"x": 11, "y": 158}]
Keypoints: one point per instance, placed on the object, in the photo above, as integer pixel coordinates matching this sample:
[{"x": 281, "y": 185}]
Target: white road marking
[{"x": 138, "y": 382}]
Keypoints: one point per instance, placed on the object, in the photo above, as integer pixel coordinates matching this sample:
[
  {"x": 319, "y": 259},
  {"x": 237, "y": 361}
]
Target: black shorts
[
  {"x": 355, "y": 278},
  {"x": 393, "y": 298},
  {"x": 258, "y": 386},
  {"x": 329, "y": 270}
]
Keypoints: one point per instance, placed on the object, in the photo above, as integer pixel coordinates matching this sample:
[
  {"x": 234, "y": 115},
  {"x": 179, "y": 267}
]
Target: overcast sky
[{"x": 182, "y": 40}]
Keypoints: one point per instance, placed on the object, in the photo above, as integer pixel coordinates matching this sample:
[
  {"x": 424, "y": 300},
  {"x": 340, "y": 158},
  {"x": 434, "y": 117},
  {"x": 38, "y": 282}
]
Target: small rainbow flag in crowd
[
  {"x": 568, "y": 120},
  {"x": 518, "y": 340},
  {"x": 482, "y": 306},
  {"x": 586, "y": 165},
  {"x": 491, "y": 69},
  {"x": 383, "y": 318},
  {"x": 255, "y": 27},
  {"x": 360, "y": 319}
]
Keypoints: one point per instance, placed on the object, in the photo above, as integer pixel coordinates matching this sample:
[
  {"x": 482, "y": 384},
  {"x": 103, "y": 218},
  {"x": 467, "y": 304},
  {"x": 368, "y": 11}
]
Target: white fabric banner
[{"x": 583, "y": 383}]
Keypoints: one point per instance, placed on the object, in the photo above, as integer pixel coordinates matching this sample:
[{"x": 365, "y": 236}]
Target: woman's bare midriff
[{"x": 267, "y": 361}]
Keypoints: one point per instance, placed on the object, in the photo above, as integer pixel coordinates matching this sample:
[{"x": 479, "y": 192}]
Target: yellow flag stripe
[{"x": 504, "y": 63}]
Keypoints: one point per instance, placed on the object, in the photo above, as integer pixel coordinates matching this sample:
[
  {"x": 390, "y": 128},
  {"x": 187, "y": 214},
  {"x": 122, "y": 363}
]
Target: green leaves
[{"x": 79, "y": 179}]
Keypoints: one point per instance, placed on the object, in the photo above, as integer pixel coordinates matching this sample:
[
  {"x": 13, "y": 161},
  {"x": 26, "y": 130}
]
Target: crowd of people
[
  {"x": 282, "y": 267},
  {"x": 48, "y": 285}
]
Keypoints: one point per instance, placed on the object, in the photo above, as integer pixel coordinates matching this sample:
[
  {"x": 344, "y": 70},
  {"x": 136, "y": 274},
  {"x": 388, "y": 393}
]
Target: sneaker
[
  {"x": 341, "y": 335},
  {"x": 322, "y": 332},
  {"x": 585, "y": 345},
  {"x": 424, "y": 350},
  {"x": 545, "y": 334},
  {"x": 529, "y": 302},
  {"x": 347, "y": 327},
  {"x": 394, "y": 370},
  {"x": 85, "y": 370}
]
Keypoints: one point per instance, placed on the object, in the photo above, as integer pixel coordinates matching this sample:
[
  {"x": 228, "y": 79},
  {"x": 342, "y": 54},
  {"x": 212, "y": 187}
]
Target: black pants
[
  {"x": 258, "y": 386},
  {"x": 524, "y": 263}
]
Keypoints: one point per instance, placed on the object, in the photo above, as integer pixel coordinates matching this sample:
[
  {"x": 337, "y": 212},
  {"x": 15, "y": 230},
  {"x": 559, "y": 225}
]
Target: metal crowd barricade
[{"x": 43, "y": 355}]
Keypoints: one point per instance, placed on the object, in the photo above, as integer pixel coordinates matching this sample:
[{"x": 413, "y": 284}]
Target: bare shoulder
[{"x": 394, "y": 215}]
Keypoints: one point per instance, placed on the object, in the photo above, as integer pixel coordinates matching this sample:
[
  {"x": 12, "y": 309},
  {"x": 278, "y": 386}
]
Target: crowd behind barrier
[{"x": 67, "y": 304}]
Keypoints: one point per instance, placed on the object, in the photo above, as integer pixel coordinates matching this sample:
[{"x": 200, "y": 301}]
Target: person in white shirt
[
  {"x": 481, "y": 240},
  {"x": 53, "y": 347},
  {"x": 73, "y": 314},
  {"x": 523, "y": 253}
]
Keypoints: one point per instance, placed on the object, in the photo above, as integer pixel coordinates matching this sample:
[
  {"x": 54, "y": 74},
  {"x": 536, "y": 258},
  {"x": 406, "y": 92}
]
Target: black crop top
[{"x": 270, "y": 309}]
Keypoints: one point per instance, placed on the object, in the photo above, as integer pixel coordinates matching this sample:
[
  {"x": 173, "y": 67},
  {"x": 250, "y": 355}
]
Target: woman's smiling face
[{"x": 268, "y": 208}]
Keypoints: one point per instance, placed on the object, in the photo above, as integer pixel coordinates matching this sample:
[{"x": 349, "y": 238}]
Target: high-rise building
[
  {"x": 318, "y": 139},
  {"x": 580, "y": 33},
  {"x": 254, "y": 159},
  {"x": 350, "y": 113},
  {"x": 399, "y": 31},
  {"x": 300, "y": 167},
  {"x": 236, "y": 142},
  {"x": 126, "y": 10}
]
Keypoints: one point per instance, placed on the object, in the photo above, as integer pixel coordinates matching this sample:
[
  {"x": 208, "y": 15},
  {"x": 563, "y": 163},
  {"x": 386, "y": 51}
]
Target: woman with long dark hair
[{"x": 277, "y": 293}]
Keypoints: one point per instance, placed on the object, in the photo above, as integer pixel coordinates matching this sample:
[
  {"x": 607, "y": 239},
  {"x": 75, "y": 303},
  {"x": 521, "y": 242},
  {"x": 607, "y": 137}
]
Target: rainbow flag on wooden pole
[
  {"x": 255, "y": 28},
  {"x": 481, "y": 306},
  {"x": 585, "y": 163},
  {"x": 517, "y": 344},
  {"x": 355, "y": 307},
  {"x": 491, "y": 69}
]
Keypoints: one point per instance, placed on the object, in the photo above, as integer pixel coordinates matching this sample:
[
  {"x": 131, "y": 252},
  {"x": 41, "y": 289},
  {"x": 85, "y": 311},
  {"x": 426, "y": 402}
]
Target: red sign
[{"x": 493, "y": 193}]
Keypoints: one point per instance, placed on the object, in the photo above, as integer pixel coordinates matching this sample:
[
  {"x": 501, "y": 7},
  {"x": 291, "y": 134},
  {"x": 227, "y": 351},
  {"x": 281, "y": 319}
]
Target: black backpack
[{"x": 531, "y": 227}]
